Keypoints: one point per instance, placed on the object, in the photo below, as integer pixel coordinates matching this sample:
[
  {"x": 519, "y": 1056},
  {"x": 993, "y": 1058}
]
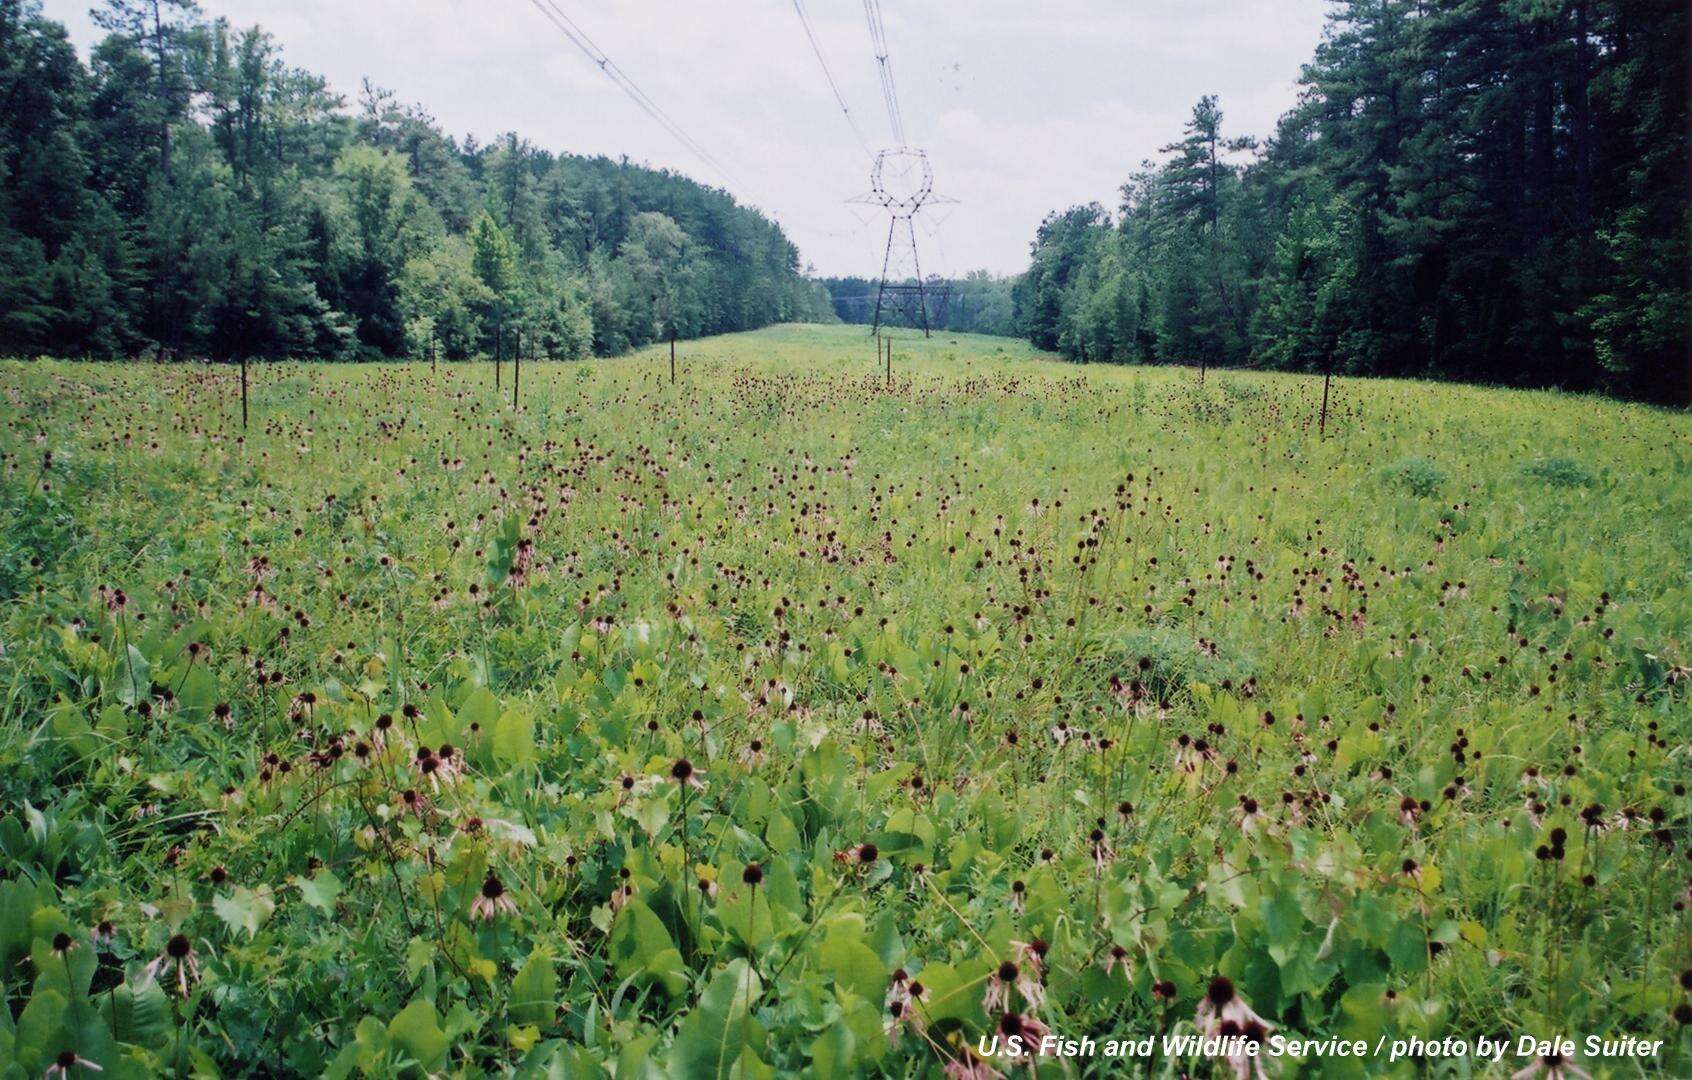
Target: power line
[
  {"x": 593, "y": 52},
  {"x": 889, "y": 93},
  {"x": 805, "y": 21}
]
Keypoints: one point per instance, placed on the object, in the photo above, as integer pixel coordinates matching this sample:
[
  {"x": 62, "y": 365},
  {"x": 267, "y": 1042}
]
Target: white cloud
[{"x": 1023, "y": 108}]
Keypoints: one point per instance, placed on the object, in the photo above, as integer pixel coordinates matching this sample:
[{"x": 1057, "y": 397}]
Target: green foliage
[
  {"x": 388, "y": 720},
  {"x": 1491, "y": 191},
  {"x": 1416, "y": 475},
  {"x": 493, "y": 259},
  {"x": 1559, "y": 472},
  {"x": 187, "y": 194},
  {"x": 444, "y": 301}
]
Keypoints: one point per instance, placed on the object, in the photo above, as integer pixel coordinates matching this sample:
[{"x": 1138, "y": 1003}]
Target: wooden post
[
  {"x": 672, "y": 356},
  {"x": 517, "y": 368},
  {"x": 243, "y": 392},
  {"x": 433, "y": 366},
  {"x": 1327, "y": 377},
  {"x": 889, "y": 361}
]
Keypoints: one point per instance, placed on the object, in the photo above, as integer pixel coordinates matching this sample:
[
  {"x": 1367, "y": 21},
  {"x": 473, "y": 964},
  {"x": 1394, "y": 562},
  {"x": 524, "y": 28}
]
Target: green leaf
[
  {"x": 320, "y": 890},
  {"x": 640, "y": 946},
  {"x": 953, "y": 994},
  {"x": 1363, "y": 1012},
  {"x": 18, "y": 903},
  {"x": 417, "y": 1031},
  {"x": 130, "y": 671},
  {"x": 513, "y": 740},
  {"x": 534, "y": 992},
  {"x": 481, "y": 707},
  {"x": 650, "y": 814},
  {"x": 245, "y": 909},
  {"x": 70, "y": 973},
  {"x": 834, "y": 1051},
  {"x": 139, "y": 1015},
  {"x": 745, "y": 913},
  {"x": 1407, "y": 948},
  {"x": 852, "y": 965},
  {"x": 38, "y": 1025},
  {"x": 719, "y": 1028}
]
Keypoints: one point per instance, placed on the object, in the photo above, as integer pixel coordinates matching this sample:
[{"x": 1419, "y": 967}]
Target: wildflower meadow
[{"x": 809, "y": 713}]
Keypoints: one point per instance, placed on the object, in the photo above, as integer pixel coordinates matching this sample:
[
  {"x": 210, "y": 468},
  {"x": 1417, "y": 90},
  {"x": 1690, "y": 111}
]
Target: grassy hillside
[{"x": 781, "y": 718}]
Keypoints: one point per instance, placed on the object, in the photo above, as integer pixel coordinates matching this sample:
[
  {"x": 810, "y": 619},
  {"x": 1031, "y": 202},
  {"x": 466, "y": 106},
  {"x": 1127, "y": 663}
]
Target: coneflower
[
  {"x": 1000, "y": 983},
  {"x": 1117, "y": 957},
  {"x": 178, "y": 956},
  {"x": 1028, "y": 1031},
  {"x": 683, "y": 773},
  {"x": 903, "y": 997},
  {"x": 1222, "y": 1003},
  {"x": 1224, "y": 1012},
  {"x": 624, "y": 891},
  {"x": 969, "y": 1067},
  {"x": 1552, "y": 1066},
  {"x": 428, "y": 768},
  {"x": 66, "y": 1061},
  {"x": 1102, "y": 849},
  {"x": 1409, "y": 809},
  {"x": 452, "y": 762},
  {"x": 1030, "y": 957},
  {"x": 492, "y": 900},
  {"x": 859, "y": 858},
  {"x": 414, "y": 802},
  {"x": 1250, "y": 815},
  {"x": 753, "y": 754}
]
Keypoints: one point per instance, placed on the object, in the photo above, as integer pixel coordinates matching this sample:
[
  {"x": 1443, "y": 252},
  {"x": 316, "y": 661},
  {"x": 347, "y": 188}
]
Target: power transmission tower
[{"x": 902, "y": 183}]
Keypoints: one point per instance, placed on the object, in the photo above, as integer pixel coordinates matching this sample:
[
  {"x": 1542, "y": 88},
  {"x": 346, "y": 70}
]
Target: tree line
[
  {"x": 187, "y": 193},
  {"x": 1475, "y": 189},
  {"x": 977, "y": 303}
]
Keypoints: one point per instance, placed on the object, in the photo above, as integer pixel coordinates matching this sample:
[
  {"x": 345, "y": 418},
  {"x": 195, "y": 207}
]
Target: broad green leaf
[
  {"x": 852, "y": 965},
  {"x": 640, "y": 945},
  {"x": 513, "y": 740},
  {"x": 719, "y": 1027},
  {"x": 245, "y": 909},
  {"x": 534, "y": 992},
  {"x": 481, "y": 707},
  {"x": 320, "y": 890},
  {"x": 417, "y": 1031}
]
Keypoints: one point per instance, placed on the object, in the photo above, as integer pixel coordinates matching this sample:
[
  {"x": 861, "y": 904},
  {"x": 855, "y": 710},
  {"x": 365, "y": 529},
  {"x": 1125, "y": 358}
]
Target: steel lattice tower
[{"x": 902, "y": 183}]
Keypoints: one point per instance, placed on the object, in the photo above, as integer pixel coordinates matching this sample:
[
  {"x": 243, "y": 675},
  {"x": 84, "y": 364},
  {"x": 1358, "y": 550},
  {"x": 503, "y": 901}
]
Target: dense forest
[
  {"x": 187, "y": 193},
  {"x": 1477, "y": 189},
  {"x": 978, "y": 303}
]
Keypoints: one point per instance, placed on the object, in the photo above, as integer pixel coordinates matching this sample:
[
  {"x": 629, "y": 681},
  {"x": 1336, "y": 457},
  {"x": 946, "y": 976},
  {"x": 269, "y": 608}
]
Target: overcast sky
[{"x": 1024, "y": 106}]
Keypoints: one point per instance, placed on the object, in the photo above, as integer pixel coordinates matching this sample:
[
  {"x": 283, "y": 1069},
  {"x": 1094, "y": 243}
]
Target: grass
[{"x": 686, "y": 727}]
